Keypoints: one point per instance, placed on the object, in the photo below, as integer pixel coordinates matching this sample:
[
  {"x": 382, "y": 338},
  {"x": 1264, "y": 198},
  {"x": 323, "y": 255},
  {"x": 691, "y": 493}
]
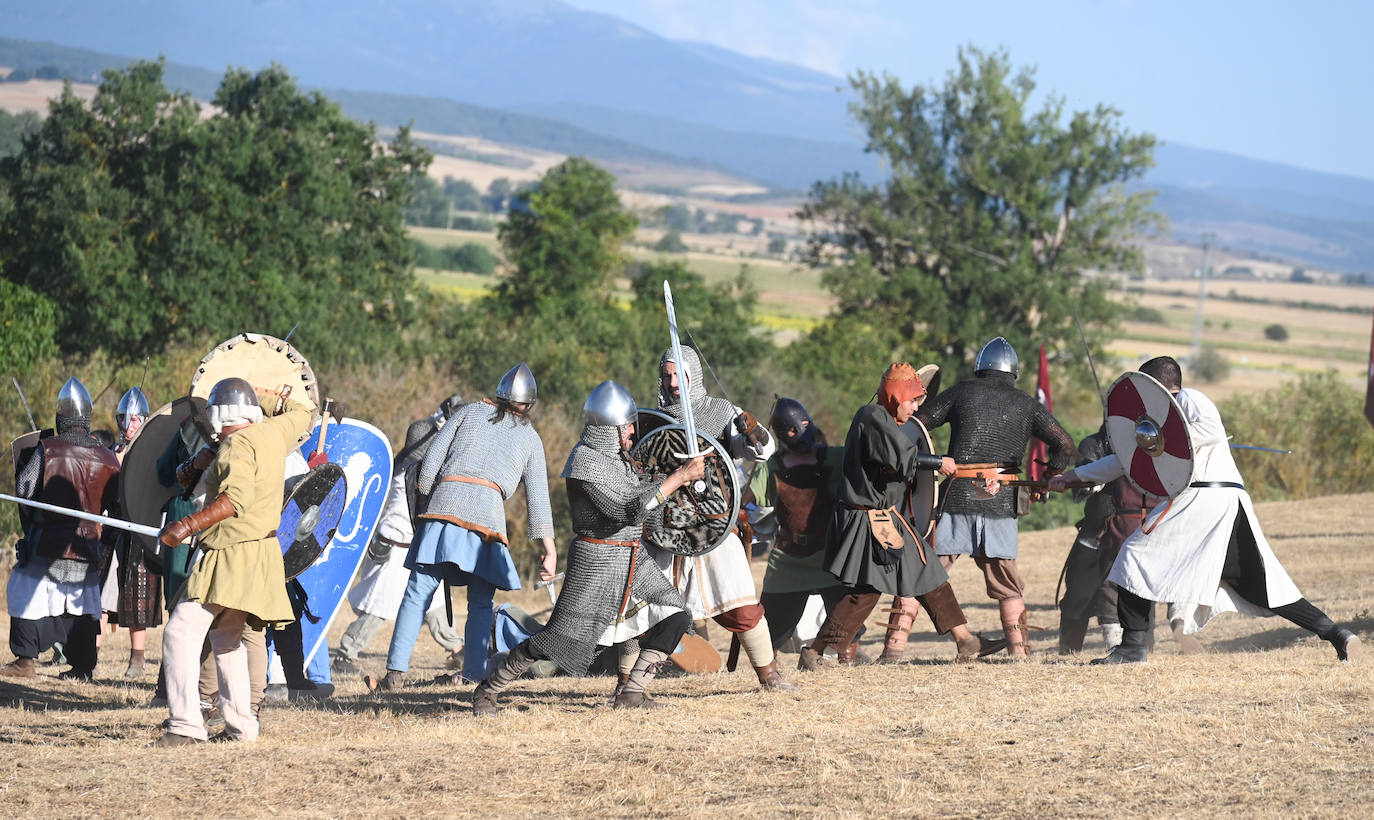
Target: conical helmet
[
  {"x": 73, "y": 403},
  {"x": 998, "y": 354},
  {"x": 518, "y": 385},
  {"x": 610, "y": 405},
  {"x": 133, "y": 404}
]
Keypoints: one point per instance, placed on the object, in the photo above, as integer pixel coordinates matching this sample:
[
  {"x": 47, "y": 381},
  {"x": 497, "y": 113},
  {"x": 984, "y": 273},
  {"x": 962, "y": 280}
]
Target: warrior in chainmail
[
  {"x": 612, "y": 505},
  {"x": 54, "y": 588},
  {"x": 991, "y": 422},
  {"x": 474, "y": 463},
  {"x": 376, "y": 597},
  {"x": 720, "y": 584}
]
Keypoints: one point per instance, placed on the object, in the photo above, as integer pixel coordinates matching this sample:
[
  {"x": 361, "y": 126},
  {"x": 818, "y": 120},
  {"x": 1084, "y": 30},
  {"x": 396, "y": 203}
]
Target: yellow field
[{"x": 1265, "y": 725}]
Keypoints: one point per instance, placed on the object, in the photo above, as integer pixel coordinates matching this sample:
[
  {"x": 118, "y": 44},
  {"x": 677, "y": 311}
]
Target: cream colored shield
[{"x": 266, "y": 362}]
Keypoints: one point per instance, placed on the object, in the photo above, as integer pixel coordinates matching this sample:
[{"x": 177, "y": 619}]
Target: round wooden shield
[
  {"x": 919, "y": 507},
  {"x": 650, "y": 420},
  {"x": 310, "y": 517},
  {"x": 142, "y": 496},
  {"x": 1149, "y": 434},
  {"x": 264, "y": 361},
  {"x": 697, "y": 521},
  {"x": 930, "y": 380}
]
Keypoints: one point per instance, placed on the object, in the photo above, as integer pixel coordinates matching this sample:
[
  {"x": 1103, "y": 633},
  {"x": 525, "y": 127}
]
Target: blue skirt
[{"x": 455, "y": 554}]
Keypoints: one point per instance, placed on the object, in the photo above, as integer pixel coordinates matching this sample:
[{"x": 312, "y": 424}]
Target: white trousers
[{"x": 182, "y": 639}]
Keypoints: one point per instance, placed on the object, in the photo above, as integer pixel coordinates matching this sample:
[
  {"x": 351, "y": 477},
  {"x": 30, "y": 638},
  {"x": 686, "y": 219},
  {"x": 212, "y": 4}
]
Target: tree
[
  {"x": 498, "y": 195},
  {"x": 472, "y": 258},
  {"x": 146, "y": 223},
  {"x": 13, "y": 129},
  {"x": 777, "y": 245},
  {"x": 989, "y": 215},
  {"x": 28, "y": 324},
  {"x": 671, "y": 242}
]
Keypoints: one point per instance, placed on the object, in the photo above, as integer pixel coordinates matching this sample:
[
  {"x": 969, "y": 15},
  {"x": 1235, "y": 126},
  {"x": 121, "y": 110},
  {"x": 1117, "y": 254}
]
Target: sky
[{"x": 1287, "y": 82}]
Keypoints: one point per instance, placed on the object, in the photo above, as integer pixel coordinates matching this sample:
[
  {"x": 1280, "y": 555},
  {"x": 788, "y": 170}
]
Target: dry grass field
[{"x": 1266, "y": 724}]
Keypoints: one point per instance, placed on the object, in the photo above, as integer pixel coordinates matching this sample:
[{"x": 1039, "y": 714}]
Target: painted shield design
[
  {"x": 141, "y": 495},
  {"x": 919, "y": 506},
  {"x": 310, "y": 517},
  {"x": 650, "y": 420},
  {"x": 265, "y": 361},
  {"x": 364, "y": 454},
  {"x": 695, "y": 522},
  {"x": 1150, "y": 435}
]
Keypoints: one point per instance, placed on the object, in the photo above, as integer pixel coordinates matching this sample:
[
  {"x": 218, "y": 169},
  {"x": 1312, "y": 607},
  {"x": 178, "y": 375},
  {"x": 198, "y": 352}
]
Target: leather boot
[
  {"x": 1131, "y": 650},
  {"x": 20, "y": 668},
  {"x": 980, "y": 646},
  {"x": 1072, "y": 631},
  {"x": 900, "y": 618},
  {"x": 484, "y": 696},
  {"x": 391, "y": 681},
  {"x": 136, "y": 664},
  {"x": 812, "y": 658},
  {"x": 621, "y": 679},
  {"x": 1347, "y": 645},
  {"x": 635, "y": 693},
  {"x": 771, "y": 679}
]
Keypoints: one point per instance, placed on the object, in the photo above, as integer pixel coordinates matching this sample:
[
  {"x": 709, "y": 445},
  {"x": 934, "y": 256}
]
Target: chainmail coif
[
  {"x": 991, "y": 421},
  {"x": 711, "y": 415}
]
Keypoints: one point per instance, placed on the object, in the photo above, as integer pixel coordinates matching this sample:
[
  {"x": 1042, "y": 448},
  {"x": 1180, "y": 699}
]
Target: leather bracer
[{"x": 212, "y": 513}]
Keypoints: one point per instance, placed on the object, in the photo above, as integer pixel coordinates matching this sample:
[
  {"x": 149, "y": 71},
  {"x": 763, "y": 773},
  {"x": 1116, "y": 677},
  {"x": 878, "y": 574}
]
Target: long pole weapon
[{"x": 1088, "y": 351}]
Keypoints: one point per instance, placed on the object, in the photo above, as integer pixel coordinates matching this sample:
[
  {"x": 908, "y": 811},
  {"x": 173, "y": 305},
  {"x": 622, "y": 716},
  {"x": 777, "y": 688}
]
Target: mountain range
[{"x": 543, "y": 74}]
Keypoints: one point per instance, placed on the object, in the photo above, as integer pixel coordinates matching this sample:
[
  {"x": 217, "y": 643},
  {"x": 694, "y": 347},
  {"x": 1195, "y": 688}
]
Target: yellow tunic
[{"x": 242, "y": 567}]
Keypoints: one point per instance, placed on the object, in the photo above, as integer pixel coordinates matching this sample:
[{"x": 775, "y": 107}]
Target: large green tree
[
  {"x": 990, "y": 213},
  {"x": 147, "y": 220}
]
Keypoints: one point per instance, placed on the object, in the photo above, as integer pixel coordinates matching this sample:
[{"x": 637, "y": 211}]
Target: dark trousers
[
  {"x": 1243, "y": 571},
  {"x": 29, "y": 638},
  {"x": 1082, "y": 580},
  {"x": 784, "y": 610}
]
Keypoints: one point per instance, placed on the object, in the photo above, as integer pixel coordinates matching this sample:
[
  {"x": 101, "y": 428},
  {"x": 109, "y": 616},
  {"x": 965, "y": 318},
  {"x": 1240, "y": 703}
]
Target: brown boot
[
  {"x": 389, "y": 682},
  {"x": 20, "y": 668},
  {"x": 634, "y": 694},
  {"x": 621, "y": 679},
  {"x": 136, "y": 664},
  {"x": 1187, "y": 644},
  {"x": 635, "y": 700},
  {"x": 169, "y": 739},
  {"x": 770, "y": 679},
  {"x": 812, "y": 658},
  {"x": 974, "y": 647}
]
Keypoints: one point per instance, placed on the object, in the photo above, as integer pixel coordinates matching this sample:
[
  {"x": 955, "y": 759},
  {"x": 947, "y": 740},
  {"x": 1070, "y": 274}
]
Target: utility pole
[{"x": 1202, "y": 294}]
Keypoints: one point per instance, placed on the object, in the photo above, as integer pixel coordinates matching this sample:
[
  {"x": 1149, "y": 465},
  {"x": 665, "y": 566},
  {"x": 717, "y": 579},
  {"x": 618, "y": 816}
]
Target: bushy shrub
[
  {"x": 471, "y": 258},
  {"x": 1209, "y": 366},
  {"x": 1276, "y": 333},
  {"x": 671, "y": 242},
  {"x": 1321, "y": 419},
  {"x": 1147, "y": 314}
]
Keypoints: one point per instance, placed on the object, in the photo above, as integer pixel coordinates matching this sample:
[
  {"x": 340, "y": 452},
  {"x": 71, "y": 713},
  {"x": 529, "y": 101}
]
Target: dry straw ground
[{"x": 1266, "y": 724}]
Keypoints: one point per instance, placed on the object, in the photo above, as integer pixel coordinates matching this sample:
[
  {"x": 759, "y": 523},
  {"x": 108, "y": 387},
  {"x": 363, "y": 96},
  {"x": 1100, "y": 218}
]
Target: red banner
[
  {"x": 1038, "y": 452},
  {"x": 1369, "y": 390}
]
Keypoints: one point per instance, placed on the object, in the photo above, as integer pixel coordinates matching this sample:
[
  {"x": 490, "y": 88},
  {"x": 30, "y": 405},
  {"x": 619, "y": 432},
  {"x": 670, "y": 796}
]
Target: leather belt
[
  {"x": 589, "y": 540},
  {"x": 799, "y": 538},
  {"x": 468, "y": 479},
  {"x": 1230, "y": 485}
]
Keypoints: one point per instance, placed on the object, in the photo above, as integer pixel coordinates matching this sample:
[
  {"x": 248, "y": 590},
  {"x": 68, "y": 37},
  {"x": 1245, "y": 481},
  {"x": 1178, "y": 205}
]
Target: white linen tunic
[
  {"x": 1178, "y": 553},
  {"x": 381, "y": 587}
]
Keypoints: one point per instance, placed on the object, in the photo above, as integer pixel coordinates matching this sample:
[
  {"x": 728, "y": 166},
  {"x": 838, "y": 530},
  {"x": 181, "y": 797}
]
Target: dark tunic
[{"x": 878, "y": 462}]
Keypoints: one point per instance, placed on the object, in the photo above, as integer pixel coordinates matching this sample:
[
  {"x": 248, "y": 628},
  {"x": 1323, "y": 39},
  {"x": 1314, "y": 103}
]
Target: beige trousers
[
  {"x": 182, "y": 639},
  {"x": 255, "y": 641}
]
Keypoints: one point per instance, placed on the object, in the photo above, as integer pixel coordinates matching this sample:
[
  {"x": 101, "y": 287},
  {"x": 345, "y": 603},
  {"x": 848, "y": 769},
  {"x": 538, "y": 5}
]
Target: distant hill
[{"x": 542, "y": 74}]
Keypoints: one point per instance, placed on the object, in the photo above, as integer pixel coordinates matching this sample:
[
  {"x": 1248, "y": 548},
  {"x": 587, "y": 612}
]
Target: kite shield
[
  {"x": 696, "y": 522},
  {"x": 1149, "y": 434}
]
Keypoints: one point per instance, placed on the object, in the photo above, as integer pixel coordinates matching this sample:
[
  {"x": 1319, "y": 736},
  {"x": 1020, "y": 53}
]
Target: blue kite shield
[{"x": 364, "y": 453}]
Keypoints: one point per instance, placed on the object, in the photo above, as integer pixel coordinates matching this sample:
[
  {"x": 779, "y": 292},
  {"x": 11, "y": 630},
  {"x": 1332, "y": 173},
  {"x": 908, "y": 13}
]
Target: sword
[
  {"x": 549, "y": 586},
  {"x": 117, "y": 523},
  {"x": 1261, "y": 449},
  {"x": 32, "y": 424},
  {"x": 1088, "y": 351},
  {"x": 684, "y": 388}
]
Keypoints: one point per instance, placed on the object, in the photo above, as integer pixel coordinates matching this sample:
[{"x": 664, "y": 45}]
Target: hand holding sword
[{"x": 684, "y": 389}]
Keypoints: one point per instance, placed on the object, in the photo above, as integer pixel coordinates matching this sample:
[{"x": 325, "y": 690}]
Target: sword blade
[
  {"x": 117, "y": 523},
  {"x": 683, "y": 378},
  {"x": 1261, "y": 449}
]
